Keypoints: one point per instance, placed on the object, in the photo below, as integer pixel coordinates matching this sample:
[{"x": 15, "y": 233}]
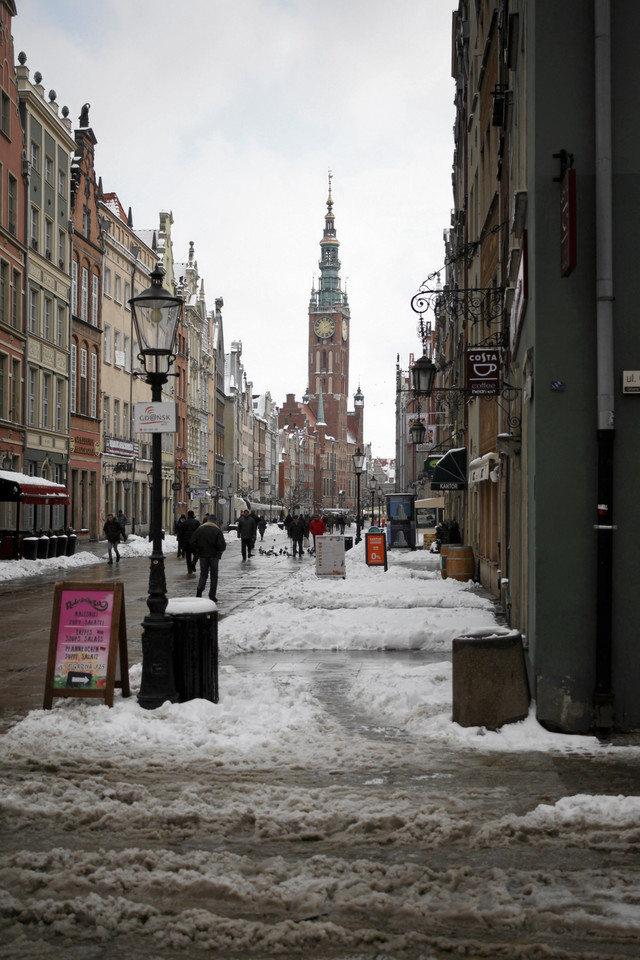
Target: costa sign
[{"x": 483, "y": 371}]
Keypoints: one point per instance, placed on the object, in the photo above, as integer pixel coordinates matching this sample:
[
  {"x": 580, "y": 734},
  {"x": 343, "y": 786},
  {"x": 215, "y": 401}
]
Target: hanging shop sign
[
  {"x": 483, "y": 371},
  {"x": 88, "y": 643}
]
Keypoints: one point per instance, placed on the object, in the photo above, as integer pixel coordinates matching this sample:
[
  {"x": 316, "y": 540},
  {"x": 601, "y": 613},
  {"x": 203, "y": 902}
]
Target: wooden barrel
[
  {"x": 460, "y": 562},
  {"x": 443, "y": 560}
]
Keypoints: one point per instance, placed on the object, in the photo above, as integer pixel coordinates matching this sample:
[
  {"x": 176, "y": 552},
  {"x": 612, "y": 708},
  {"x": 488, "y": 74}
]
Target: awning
[
  {"x": 451, "y": 472},
  {"x": 480, "y": 468},
  {"x": 20, "y": 488}
]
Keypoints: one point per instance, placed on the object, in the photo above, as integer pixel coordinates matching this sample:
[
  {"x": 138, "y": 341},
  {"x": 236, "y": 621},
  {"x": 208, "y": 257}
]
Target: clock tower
[{"x": 329, "y": 334}]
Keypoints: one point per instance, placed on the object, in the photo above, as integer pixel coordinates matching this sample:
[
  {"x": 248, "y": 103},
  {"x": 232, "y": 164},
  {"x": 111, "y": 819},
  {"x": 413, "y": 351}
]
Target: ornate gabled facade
[
  {"x": 86, "y": 336},
  {"x": 12, "y": 264},
  {"x": 48, "y": 145}
]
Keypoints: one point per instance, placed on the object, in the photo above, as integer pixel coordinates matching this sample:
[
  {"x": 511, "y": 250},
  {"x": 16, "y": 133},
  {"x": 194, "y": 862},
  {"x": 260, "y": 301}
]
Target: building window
[
  {"x": 60, "y": 325},
  {"x": 4, "y": 366},
  {"x": 94, "y": 299},
  {"x": 106, "y": 353},
  {"x": 48, "y": 239},
  {"x": 16, "y": 377},
  {"x": 106, "y": 416},
  {"x": 35, "y": 156},
  {"x": 12, "y": 204},
  {"x": 46, "y": 384},
  {"x": 48, "y": 170},
  {"x": 31, "y": 398},
  {"x": 62, "y": 183},
  {"x": 4, "y": 292},
  {"x": 46, "y": 319},
  {"x": 35, "y": 227},
  {"x": 127, "y": 353},
  {"x": 83, "y": 380},
  {"x": 74, "y": 288},
  {"x": 84, "y": 314},
  {"x": 126, "y": 424},
  {"x": 61, "y": 249},
  {"x": 59, "y": 395},
  {"x": 33, "y": 311},
  {"x": 127, "y": 294},
  {"x": 93, "y": 411},
  {"x": 116, "y": 418},
  {"x": 5, "y": 116},
  {"x": 117, "y": 349},
  {"x": 118, "y": 289},
  {"x": 73, "y": 386},
  {"x": 16, "y": 299},
  {"x": 106, "y": 282}
]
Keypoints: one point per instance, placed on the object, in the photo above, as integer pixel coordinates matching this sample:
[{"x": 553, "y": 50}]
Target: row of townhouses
[
  {"x": 70, "y": 260},
  {"x": 528, "y": 432}
]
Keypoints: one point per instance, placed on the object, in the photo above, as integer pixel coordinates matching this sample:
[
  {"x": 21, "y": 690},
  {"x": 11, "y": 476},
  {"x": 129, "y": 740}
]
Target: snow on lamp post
[{"x": 156, "y": 314}]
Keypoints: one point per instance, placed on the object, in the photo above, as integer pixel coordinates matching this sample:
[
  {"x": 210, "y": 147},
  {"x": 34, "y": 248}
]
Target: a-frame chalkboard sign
[{"x": 88, "y": 643}]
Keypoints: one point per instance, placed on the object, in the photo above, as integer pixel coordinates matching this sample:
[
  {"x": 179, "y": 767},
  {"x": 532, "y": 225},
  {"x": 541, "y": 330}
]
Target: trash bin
[
  {"x": 71, "y": 545},
  {"x": 53, "y": 546},
  {"x": 195, "y": 648},
  {"x": 490, "y": 685},
  {"x": 42, "y": 548},
  {"x": 30, "y": 548},
  {"x": 348, "y": 543},
  {"x": 61, "y": 546}
]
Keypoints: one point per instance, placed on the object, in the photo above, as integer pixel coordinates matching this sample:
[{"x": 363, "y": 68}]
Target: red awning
[{"x": 19, "y": 488}]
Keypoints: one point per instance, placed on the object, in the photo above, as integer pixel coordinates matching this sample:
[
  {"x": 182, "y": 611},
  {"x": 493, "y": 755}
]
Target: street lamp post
[
  {"x": 156, "y": 314},
  {"x": 230, "y": 495},
  {"x": 358, "y": 466},
  {"x": 372, "y": 489}
]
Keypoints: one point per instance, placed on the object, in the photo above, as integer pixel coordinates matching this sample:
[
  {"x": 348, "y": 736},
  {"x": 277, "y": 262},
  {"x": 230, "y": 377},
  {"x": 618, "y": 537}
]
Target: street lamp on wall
[
  {"x": 358, "y": 466},
  {"x": 156, "y": 314}
]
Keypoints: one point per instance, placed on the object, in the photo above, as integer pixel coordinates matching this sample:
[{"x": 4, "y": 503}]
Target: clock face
[
  {"x": 324, "y": 327},
  {"x": 345, "y": 329}
]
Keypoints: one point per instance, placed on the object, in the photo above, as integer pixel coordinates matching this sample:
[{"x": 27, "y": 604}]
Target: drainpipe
[{"x": 603, "y": 694}]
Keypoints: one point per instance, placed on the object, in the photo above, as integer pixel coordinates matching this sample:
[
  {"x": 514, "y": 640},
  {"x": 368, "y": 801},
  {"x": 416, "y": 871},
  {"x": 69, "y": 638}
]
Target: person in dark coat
[
  {"x": 262, "y": 526},
  {"x": 297, "y": 534},
  {"x": 179, "y": 531},
  {"x": 247, "y": 532},
  {"x": 209, "y": 543},
  {"x": 113, "y": 532},
  {"x": 190, "y": 527}
]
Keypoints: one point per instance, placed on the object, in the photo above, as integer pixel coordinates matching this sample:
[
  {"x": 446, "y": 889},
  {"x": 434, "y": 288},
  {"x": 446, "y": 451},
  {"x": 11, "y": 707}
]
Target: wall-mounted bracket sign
[
  {"x": 88, "y": 643},
  {"x": 631, "y": 381}
]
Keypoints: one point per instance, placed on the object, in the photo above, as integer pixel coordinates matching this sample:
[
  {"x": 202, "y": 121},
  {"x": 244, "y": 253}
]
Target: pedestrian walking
[
  {"x": 317, "y": 528},
  {"x": 209, "y": 544},
  {"x": 190, "y": 527},
  {"x": 297, "y": 533},
  {"x": 247, "y": 533},
  {"x": 262, "y": 526},
  {"x": 179, "y": 532},
  {"x": 122, "y": 520},
  {"x": 113, "y": 532}
]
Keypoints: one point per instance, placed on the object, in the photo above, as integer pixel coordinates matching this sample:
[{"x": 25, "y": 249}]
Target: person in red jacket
[{"x": 317, "y": 527}]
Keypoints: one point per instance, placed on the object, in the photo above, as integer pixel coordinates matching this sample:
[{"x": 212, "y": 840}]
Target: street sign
[
  {"x": 330, "y": 556},
  {"x": 88, "y": 643},
  {"x": 376, "y": 550}
]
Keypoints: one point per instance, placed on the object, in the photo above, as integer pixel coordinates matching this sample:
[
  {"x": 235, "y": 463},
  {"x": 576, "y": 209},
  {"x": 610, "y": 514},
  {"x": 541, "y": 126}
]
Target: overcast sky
[{"x": 230, "y": 113}]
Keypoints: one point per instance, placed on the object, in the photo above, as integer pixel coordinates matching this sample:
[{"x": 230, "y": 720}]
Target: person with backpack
[{"x": 209, "y": 544}]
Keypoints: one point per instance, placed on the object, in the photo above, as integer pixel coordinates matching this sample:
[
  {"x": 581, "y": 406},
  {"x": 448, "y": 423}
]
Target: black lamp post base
[{"x": 158, "y": 683}]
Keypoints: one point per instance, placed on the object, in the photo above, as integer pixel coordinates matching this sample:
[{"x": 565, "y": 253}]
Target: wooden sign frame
[{"x": 87, "y": 643}]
